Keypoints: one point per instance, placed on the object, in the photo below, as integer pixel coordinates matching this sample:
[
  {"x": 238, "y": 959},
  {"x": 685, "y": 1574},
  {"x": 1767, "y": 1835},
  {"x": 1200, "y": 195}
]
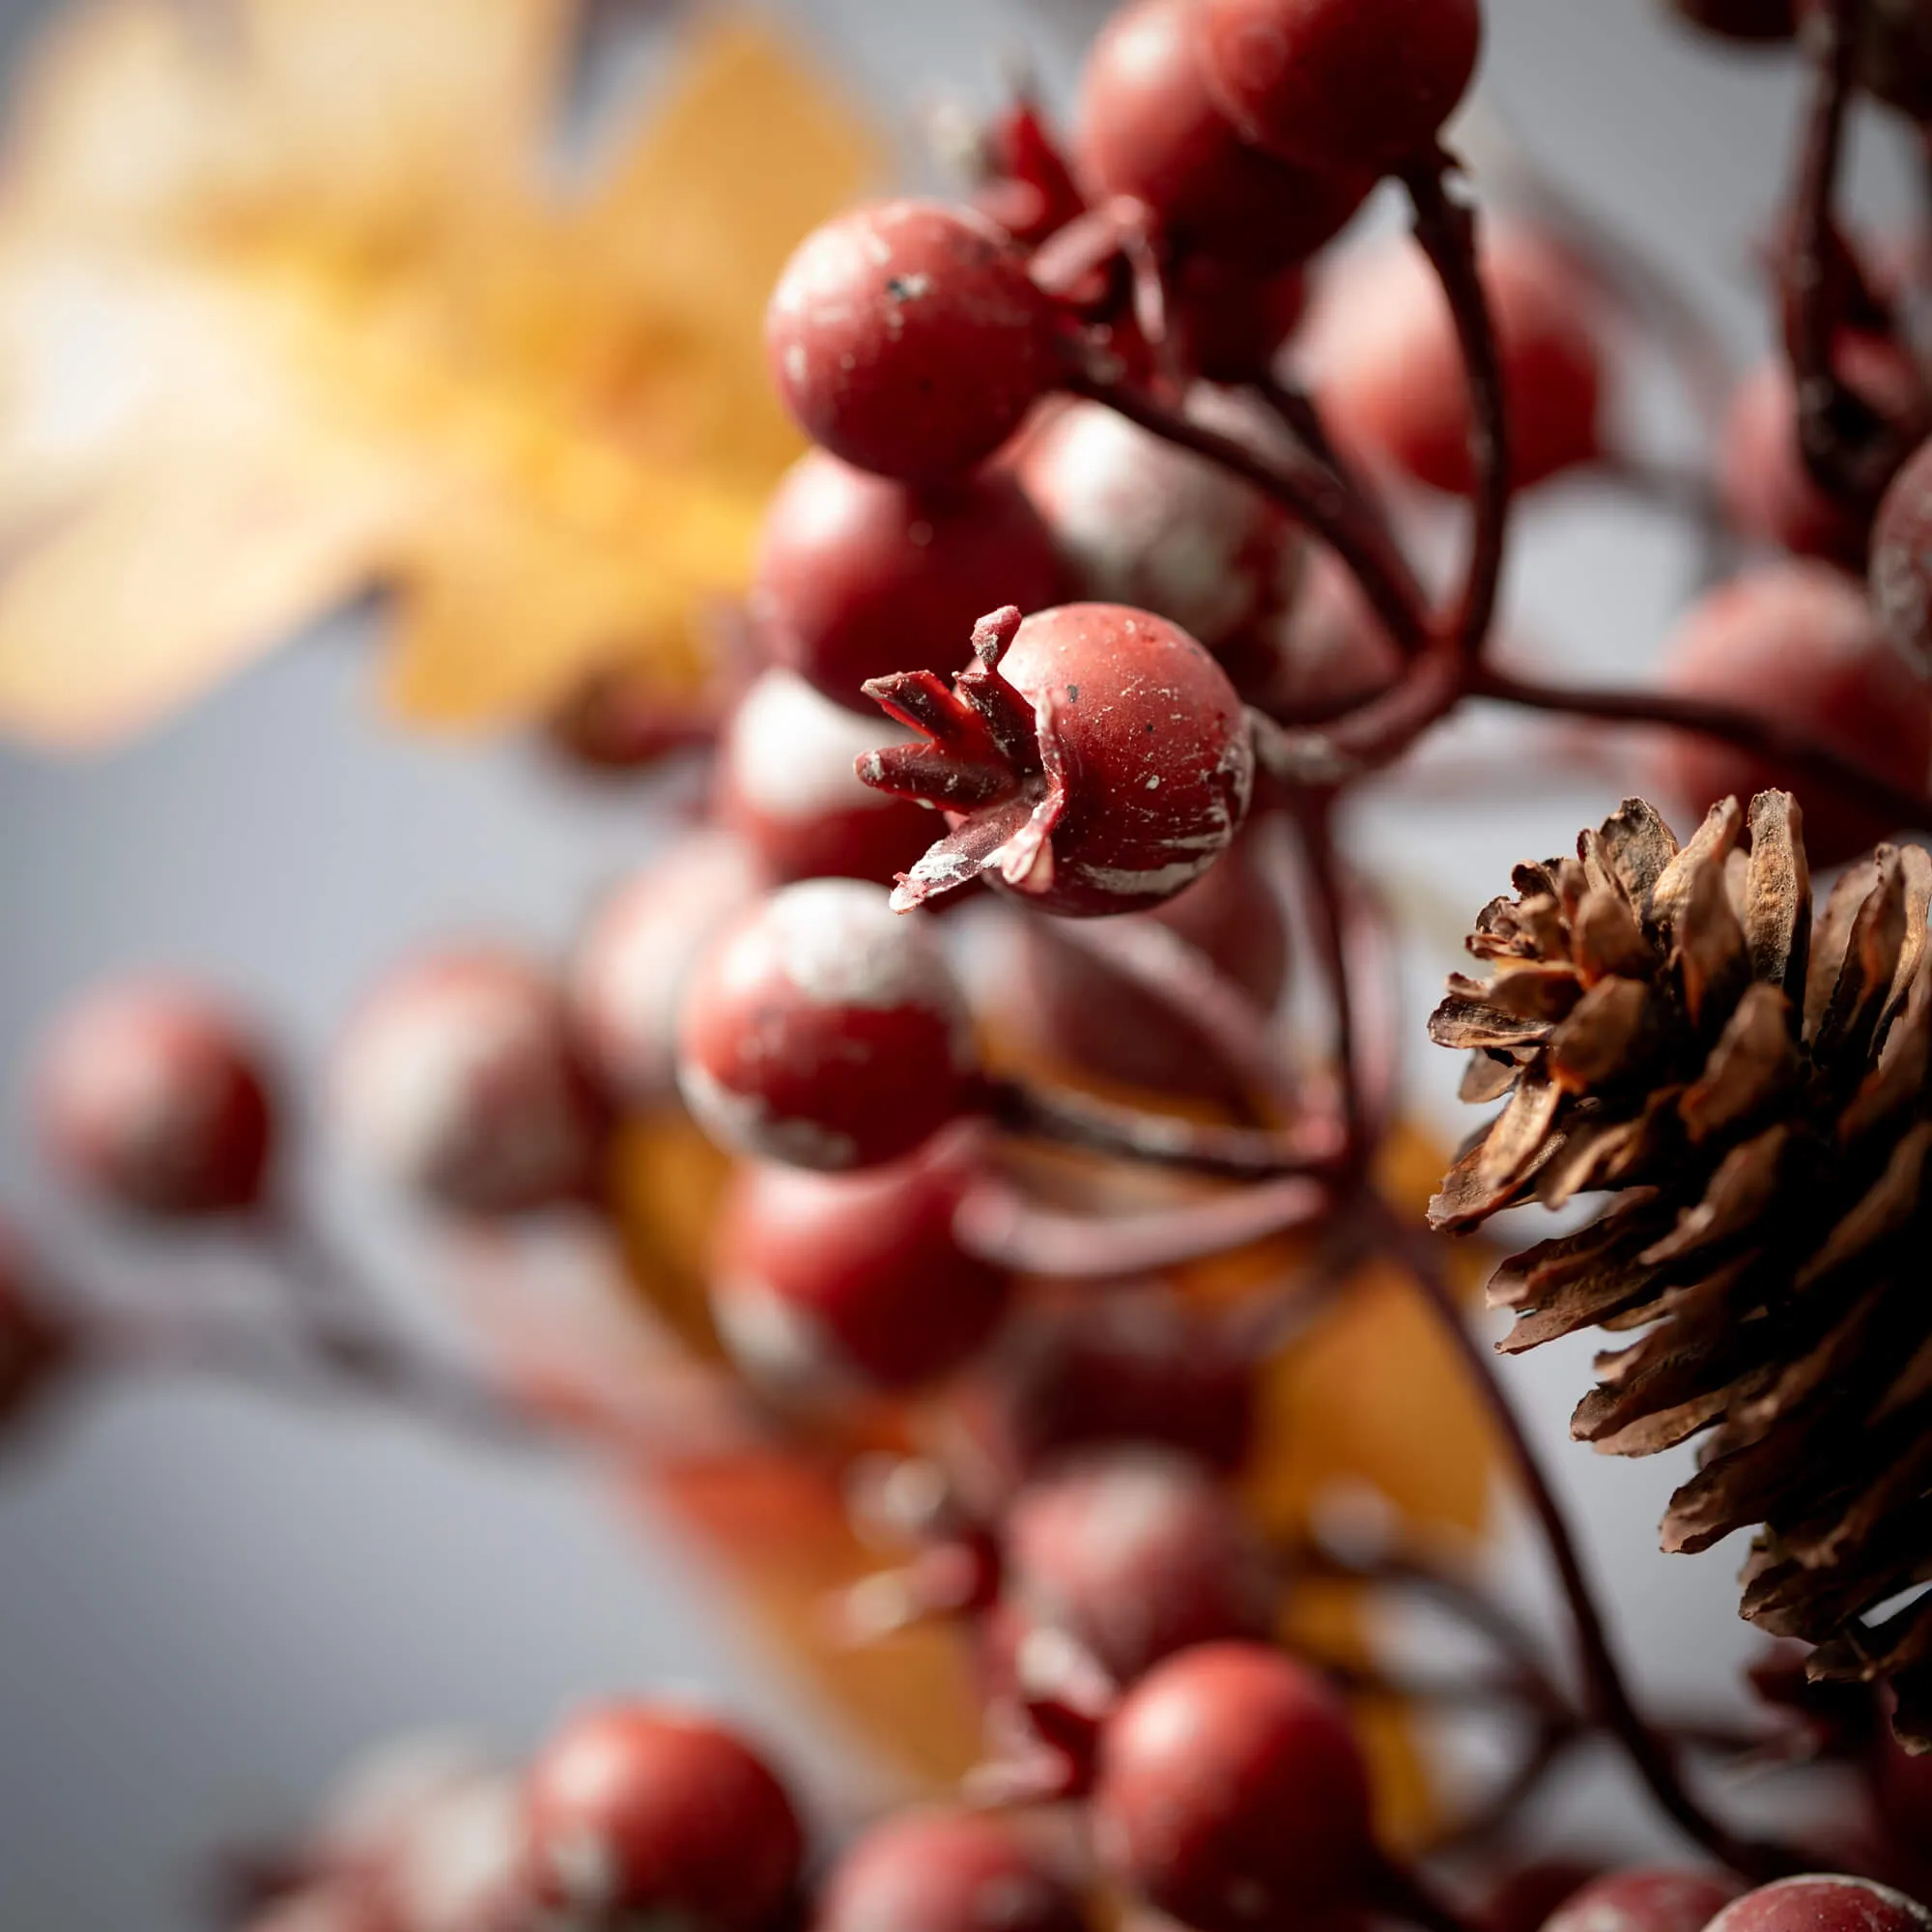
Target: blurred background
[{"x": 208, "y": 1600}]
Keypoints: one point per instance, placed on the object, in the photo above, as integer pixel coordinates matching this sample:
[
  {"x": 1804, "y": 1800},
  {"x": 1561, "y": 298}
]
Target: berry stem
[
  {"x": 1315, "y": 821},
  {"x": 1406, "y": 1894},
  {"x": 1609, "y": 1698}
]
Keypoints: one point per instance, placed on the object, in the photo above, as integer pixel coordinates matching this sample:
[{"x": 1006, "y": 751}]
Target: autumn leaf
[{"x": 292, "y": 303}]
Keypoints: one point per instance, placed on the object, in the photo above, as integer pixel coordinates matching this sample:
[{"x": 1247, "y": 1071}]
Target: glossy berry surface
[
  {"x": 152, "y": 1098},
  {"x": 785, "y": 783},
  {"x": 459, "y": 1081},
  {"x": 1231, "y": 1793},
  {"x": 1901, "y": 560},
  {"x": 1823, "y": 1902},
  {"x": 859, "y": 576},
  {"x": 1094, "y": 760},
  {"x": 1390, "y": 374},
  {"x": 639, "y": 1810},
  {"x": 1331, "y": 84},
  {"x": 822, "y": 1031},
  {"x": 1147, "y": 128},
  {"x": 1649, "y": 1899},
  {"x": 947, "y": 1871},
  {"x": 1800, "y": 644},
  {"x": 1742, "y": 19},
  {"x": 907, "y": 338},
  {"x": 1135, "y": 1552},
  {"x": 828, "y": 1283}
]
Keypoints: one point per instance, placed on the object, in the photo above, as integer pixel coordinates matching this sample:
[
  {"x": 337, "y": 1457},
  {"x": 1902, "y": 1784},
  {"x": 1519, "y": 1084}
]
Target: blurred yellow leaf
[{"x": 292, "y": 303}]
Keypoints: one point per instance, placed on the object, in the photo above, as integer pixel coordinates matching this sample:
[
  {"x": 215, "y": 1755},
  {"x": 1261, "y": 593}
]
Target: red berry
[
  {"x": 947, "y": 1871},
  {"x": 1333, "y": 84},
  {"x": 1796, "y": 644},
  {"x": 1649, "y": 1900},
  {"x": 152, "y": 1098},
  {"x": 1147, "y": 128},
  {"x": 1135, "y": 1552},
  {"x": 822, "y": 1284},
  {"x": 1522, "y": 1899},
  {"x": 615, "y": 723},
  {"x": 1742, "y": 19},
  {"x": 1823, "y": 1902},
  {"x": 822, "y": 1031},
  {"x": 458, "y": 1080},
  {"x": 906, "y": 337},
  {"x": 1228, "y": 321},
  {"x": 859, "y": 576},
  {"x": 1766, "y": 489},
  {"x": 1139, "y": 522},
  {"x": 629, "y": 967},
  {"x": 1901, "y": 564},
  {"x": 1231, "y": 1793},
  {"x": 637, "y": 1812},
  {"x": 1390, "y": 372},
  {"x": 1094, "y": 760},
  {"x": 1334, "y": 653}
]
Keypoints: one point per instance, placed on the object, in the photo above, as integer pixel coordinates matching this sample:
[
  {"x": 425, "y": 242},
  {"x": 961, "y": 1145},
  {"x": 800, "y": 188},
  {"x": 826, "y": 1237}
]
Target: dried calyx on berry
[
  {"x": 1093, "y": 758},
  {"x": 1672, "y": 1028}
]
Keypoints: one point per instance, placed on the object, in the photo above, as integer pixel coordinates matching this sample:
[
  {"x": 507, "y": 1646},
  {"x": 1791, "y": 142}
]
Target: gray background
[{"x": 208, "y": 1602}]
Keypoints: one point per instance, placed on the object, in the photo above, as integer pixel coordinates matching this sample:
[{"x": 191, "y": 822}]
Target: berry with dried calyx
[
  {"x": 907, "y": 338},
  {"x": 637, "y": 1811},
  {"x": 858, "y": 575},
  {"x": 822, "y": 1031},
  {"x": 1650, "y": 1900},
  {"x": 785, "y": 783},
  {"x": 1389, "y": 369},
  {"x": 1334, "y": 84},
  {"x": 1148, "y": 130},
  {"x": 1823, "y": 1902},
  {"x": 459, "y": 1081},
  {"x": 1901, "y": 560},
  {"x": 1231, "y": 1792},
  {"x": 1796, "y": 644},
  {"x": 947, "y": 1871},
  {"x": 1134, "y": 1552},
  {"x": 1741, "y": 20},
  {"x": 152, "y": 1098},
  {"x": 828, "y": 1283},
  {"x": 1093, "y": 758}
]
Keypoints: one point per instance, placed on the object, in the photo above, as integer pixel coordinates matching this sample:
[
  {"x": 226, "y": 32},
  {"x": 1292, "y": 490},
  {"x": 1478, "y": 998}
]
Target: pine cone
[{"x": 1670, "y": 1027}]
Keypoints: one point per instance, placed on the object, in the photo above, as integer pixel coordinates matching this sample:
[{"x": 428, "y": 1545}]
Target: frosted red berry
[
  {"x": 1332, "y": 84},
  {"x": 830, "y": 1284},
  {"x": 1648, "y": 1899},
  {"x": 458, "y": 1080},
  {"x": 1135, "y": 1552},
  {"x": 1094, "y": 760},
  {"x": 1390, "y": 376},
  {"x": 644, "y": 1811},
  {"x": 822, "y": 1031},
  {"x": 1148, "y": 129},
  {"x": 1823, "y": 1902},
  {"x": 1800, "y": 644},
  {"x": 1742, "y": 19},
  {"x": 1901, "y": 560},
  {"x": 155, "y": 1098},
  {"x": 859, "y": 576},
  {"x": 906, "y": 337},
  {"x": 1231, "y": 1793},
  {"x": 947, "y": 1871}
]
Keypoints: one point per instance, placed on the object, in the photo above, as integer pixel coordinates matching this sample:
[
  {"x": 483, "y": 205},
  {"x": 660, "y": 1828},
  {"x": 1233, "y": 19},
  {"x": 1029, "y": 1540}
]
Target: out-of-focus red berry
[
  {"x": 1650, "y": 1900},
  {"x": 615, "y": 723},
  {"x": 823, "y": 1284},
  {"x": 859, "y": 576},
  {"x": 35, "y": 1344},
  {"x": 1390, "y": 374},
  {"x": 1762, "y": 481},
  {"x": 458, "y": 1080},
  {"x": 1524, "y": 1898},
  {"x": 1229, "y": 321},
  {"x": 1147, "y": 128},
  {"x": 822, "y": 1031},
  {"x": 1333, "y": 652},
  {"x": 627, "y": 972},
  {"x": 152, "y": 1098},
  {"x": 1901, "y": 560},
  {"x": 947, "y": 1871},
  {"x": 907, "y": 338},
  {"x": 1895, "y": 59},
  {"x": 1823, "y": 1902},
  {"x": 1798, "y": 644},
  {"x": 1135, "y": 1552},
  {"x": 1231, "y": 1793},
  {"x": 635, "y": 1811},
  {"x": 1332, "y": 84},
  {"x": 1741, "y": 20}
]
